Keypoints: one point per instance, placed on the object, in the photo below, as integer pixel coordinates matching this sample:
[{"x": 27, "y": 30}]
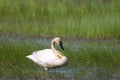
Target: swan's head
[{"x": 58, "y": 41}]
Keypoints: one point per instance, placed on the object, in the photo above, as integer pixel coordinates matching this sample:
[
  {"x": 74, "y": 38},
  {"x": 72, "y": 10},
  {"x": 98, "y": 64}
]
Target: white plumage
[{"x": 49, "y": 58}]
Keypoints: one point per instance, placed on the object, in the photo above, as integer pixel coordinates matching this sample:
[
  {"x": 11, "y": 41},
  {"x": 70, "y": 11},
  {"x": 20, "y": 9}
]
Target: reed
[{"x": 82, "y": 19}]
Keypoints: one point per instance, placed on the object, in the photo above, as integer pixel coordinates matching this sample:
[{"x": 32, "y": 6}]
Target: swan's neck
[
  {"x": 57, "y": 53},
  {"x": 53, "y": 48}
]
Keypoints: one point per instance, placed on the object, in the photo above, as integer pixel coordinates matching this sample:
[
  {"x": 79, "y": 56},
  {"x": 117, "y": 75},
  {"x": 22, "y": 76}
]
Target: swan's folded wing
[{"x": 44, "y": 56}]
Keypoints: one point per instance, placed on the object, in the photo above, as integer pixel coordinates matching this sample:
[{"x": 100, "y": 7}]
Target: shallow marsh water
[
  {"x": 87, "y": 60},
  {"x": 79, "y": 73}
]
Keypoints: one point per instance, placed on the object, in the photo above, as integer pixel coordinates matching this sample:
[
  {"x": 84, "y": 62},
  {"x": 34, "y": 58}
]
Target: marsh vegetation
[
  {"x": 82, "y": 19},
  {"x": 90, "y": 32}
]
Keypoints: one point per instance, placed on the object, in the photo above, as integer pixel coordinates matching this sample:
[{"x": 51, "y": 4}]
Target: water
[
  {"x": 69, "y": 73},
  {"x": 89, "y": 73}
]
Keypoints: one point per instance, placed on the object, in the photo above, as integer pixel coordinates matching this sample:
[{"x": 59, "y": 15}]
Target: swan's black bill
[{"x": 61, "y": 45}]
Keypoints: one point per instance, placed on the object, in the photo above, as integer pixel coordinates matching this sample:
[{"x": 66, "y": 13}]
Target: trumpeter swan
[{"x": 50, "y": 58}]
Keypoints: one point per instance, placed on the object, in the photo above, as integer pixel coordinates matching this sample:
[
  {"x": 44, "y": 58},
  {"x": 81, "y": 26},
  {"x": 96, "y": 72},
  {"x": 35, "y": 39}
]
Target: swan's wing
[
  {"x": 45, "y": 54},
  {"x": 45, "y": 57}
]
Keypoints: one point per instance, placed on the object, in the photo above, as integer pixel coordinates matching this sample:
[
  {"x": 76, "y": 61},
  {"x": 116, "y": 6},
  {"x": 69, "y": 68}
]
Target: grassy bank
[{"x": 93, "y": 19}]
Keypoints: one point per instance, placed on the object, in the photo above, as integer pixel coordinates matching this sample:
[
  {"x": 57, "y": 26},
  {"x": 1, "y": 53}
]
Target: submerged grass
[{"x": 83, "y": 19}]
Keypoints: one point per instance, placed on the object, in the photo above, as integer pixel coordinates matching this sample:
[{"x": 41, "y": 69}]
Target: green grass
[
  {"x": 79, "y": 19},
  {"x": 95, "y": 54}
]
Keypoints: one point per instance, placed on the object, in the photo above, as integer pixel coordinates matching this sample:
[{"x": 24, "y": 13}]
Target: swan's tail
[{"x": 32, "y": 58}]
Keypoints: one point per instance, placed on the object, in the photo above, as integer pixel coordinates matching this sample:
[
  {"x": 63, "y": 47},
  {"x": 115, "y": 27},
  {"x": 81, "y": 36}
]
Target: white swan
[{"x": 50, "y": 58}]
